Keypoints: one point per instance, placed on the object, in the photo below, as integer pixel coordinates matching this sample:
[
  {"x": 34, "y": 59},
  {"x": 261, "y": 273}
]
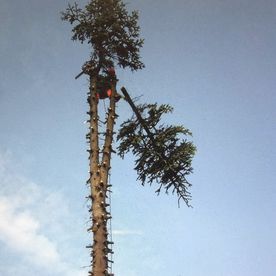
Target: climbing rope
[{"x": 110, "y": 224}]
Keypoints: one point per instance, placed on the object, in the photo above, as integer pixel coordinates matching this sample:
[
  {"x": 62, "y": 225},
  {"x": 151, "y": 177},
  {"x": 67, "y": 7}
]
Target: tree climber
[
  {"x": 104, "y": 81},
  {"x": 104, "y": 85}
]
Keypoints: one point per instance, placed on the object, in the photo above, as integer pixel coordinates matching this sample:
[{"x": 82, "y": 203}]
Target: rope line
[{"x": 110, "y": 225}]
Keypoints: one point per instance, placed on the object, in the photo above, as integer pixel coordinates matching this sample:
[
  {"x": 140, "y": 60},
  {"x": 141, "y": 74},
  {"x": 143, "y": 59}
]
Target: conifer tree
[{"x": 162, "y": 156}]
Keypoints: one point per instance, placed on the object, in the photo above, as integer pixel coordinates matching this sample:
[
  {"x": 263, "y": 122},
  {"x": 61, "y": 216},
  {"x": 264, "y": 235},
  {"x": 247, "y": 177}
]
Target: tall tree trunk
[{"x": 99, "y": 180}]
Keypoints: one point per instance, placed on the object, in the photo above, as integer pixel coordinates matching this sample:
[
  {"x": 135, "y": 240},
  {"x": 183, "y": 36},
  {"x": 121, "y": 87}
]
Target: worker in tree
[
  {"x": 111, "y": 72},
  {"x": 104, "y": 85},
  {"x": 104, "y": 81}
]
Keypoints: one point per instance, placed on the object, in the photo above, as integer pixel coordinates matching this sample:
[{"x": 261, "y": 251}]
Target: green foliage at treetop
[
  {"x": 112, "y": 32},
  {"x": 164, "y": 156}
]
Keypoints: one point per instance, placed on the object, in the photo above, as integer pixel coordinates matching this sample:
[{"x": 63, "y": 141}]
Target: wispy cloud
[
  {"x": 21, "y": 231},
  {"x": 127, "y": 232},
  {"x": 25, "y": 209}
]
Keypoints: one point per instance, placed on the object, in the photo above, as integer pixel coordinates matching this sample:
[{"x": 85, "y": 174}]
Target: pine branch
[{"x": 162, "y": 155}]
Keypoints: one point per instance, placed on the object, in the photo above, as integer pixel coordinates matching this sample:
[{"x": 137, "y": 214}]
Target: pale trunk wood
[{"x": 99, "y": 181}]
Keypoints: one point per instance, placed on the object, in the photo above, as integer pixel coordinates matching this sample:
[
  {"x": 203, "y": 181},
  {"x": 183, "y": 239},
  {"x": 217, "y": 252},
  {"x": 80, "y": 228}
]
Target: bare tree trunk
[{"x": 99, "y": 181}]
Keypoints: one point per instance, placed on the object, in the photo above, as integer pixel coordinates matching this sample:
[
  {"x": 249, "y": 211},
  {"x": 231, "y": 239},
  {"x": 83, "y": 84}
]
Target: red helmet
[{"x": 111, "y": 71}]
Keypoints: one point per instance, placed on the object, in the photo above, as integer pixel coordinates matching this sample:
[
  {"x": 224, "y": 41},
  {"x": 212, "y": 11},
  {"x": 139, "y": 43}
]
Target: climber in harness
[
  {"x": 104, "y": 85},
  {"x": 104, "y": 81}
]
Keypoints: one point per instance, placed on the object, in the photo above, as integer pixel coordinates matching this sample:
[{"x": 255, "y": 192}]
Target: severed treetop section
[
  {"x": 112, "y": 32},
  {"x": 162, "y": 153}
]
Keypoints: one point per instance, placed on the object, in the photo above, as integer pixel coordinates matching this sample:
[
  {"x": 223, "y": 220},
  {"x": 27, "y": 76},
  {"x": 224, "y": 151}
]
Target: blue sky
[{"x": 215, "y": 62}]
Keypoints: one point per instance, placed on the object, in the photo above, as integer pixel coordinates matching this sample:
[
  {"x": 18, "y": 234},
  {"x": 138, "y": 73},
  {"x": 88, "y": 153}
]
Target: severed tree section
[{"x": 163, "y": 153}]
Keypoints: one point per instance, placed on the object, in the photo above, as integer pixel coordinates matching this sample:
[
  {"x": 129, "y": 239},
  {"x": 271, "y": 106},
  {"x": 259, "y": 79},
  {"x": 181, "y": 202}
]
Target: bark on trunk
[{"x": 99, "y": 181}]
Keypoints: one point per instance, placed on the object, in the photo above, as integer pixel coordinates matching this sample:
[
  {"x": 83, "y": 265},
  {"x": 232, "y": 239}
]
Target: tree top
[{"x": 110, "y": 29}]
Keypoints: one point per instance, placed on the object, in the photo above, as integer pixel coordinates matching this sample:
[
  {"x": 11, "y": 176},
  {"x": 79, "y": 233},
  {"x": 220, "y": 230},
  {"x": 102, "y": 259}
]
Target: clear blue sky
[{"x": 215, "y": 62}]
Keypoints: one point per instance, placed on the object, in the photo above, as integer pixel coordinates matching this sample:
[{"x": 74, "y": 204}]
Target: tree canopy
[{"x": 112, "y": 32}]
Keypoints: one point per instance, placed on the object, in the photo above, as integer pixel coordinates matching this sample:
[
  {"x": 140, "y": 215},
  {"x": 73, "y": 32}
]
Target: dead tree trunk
[{"x": 98, "y": 181}]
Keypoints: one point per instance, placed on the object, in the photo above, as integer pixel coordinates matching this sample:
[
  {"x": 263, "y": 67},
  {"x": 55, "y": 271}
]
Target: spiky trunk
[{"x": 99, "y": 169}]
